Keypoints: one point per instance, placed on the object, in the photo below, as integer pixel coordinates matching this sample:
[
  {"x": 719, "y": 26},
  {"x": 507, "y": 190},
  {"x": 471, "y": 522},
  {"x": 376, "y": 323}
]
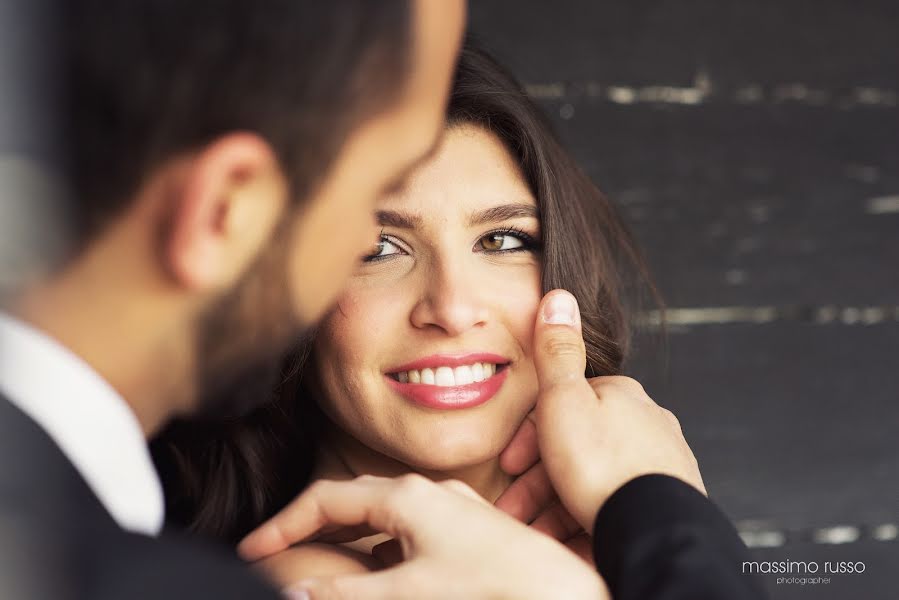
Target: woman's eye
[
  {"x": 382, "y": 249},
  {"x": 495, "y": 242}
]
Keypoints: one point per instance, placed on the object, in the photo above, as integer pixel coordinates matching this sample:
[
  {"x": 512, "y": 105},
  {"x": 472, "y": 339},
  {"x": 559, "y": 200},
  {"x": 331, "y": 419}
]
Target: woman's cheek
[
  {"x": 520, "y": 305},
  {"x": 360, "y": 328},
  {"x": 357, "y": 312}
]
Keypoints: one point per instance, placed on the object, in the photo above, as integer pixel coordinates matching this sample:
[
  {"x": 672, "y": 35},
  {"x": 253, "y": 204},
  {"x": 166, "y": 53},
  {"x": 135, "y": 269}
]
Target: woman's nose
[{"x": 451, "y": 300}]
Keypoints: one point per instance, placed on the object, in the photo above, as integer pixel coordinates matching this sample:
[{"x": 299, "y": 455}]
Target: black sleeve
[
  {"x": 175, "y": 569},
  {"x": 657, "y": 538}
]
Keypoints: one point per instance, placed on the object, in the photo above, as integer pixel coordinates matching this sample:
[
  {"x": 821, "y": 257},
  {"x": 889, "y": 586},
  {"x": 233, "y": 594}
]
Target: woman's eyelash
[
  {"x": 376, "y": 258},
  {"x": 529, "y": 242}
]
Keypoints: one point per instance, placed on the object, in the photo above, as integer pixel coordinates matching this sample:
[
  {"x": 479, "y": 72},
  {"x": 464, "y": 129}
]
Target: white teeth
[
  {"x": 449, "y": 377},
  {"x": 444, "y": 376},
  {"x": 463, "y": 375}
]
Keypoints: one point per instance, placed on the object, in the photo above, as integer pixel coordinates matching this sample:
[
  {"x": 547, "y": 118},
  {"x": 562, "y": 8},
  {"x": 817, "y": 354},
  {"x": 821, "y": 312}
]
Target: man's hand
[
  {"x": 593, "y": 435},
  {"x": 454, "y": 544},
  {"x": 531, "y": 498}
]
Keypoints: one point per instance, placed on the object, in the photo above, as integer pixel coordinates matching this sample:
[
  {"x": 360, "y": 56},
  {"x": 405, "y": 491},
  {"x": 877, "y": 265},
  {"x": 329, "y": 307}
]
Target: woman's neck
[{"x": 341, "y": 456}]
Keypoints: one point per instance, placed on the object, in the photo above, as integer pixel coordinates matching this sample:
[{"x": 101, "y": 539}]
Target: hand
[
  {"x": 454, "y": 544},
  {"x": 593, "y": 435},
  {"x": 531, "y": 498}
]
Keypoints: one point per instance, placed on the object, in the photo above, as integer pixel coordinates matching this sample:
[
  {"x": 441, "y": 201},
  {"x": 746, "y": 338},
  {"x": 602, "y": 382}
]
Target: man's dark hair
[{"x": 148, "y": 80}]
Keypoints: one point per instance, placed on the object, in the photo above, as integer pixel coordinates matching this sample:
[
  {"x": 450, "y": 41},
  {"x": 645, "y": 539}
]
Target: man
[{"x": 226, "y": 159}]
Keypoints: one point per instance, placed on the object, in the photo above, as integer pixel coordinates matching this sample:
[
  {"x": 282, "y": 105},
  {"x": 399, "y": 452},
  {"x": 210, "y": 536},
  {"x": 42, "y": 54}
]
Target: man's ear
[{"x": 232, "y": 196}]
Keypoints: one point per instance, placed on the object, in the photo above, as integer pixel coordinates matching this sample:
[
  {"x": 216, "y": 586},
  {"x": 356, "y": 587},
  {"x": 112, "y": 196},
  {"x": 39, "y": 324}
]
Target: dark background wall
[{"x": 754, "y": 147}]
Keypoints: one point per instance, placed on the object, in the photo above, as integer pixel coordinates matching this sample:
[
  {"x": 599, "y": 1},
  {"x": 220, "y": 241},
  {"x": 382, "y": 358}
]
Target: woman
[{"x": 425, "y": 363}]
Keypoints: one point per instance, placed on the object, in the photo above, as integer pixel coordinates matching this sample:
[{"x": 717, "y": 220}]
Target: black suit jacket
[
  {"x": 657, "y": 538},
  {"x": 58, "y": 542}
]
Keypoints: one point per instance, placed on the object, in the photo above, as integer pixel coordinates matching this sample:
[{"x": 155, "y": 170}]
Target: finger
[
  {"x": 522, "y": 452},
  {"x": 391, "y": 584},
  {"x": 389, "y": 553},
  {"x": 362, "y": 501},
  {"x": 582, "y": 545},
  {"x": 557, "y": 523},
  {"x": 340, "y": 535},
  {"x": 567, "y": 408},
  {"x": 462, "y": 488},
  {"x": 559, "y": 353},
  {"x": 528, "y": 495}
]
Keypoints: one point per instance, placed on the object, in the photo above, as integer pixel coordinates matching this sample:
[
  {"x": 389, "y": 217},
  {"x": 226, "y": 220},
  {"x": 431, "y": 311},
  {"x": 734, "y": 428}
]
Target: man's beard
[{"x": 243, "y": 339}]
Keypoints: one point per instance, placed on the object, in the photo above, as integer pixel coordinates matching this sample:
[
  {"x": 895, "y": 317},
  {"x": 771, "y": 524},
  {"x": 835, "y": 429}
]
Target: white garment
[{"x": 89, "y": 421}]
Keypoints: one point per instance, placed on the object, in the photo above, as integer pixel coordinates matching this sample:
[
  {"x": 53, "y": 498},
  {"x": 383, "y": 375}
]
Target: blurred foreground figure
[
  {"x": 32, "y": 190},
  {"x": 213, "y": 153}
]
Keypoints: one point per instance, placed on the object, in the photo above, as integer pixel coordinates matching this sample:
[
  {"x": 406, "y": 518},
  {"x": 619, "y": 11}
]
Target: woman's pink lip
[
  {"x": 450, "y": 360},
  {"x": 448, "y": 398}
]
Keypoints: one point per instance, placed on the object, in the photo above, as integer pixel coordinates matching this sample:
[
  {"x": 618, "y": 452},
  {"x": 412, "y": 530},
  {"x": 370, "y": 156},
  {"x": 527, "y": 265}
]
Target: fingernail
[
  {"x": 560, "y": 309},
  {"x": 296, "y": 592}
]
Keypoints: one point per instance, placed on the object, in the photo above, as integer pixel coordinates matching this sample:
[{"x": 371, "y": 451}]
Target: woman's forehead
[{"x": 472, "y": 171}]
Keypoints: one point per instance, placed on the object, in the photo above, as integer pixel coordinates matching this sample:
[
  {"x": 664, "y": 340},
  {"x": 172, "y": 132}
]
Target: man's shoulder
[
  {"x": 136, "y": 566},
  {"x": 57, "y": 541},
  {"x": 100, "y": 561}
]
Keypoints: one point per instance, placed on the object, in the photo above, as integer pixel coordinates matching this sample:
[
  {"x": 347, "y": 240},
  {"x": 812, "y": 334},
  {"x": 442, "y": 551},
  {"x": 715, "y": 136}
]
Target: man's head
[{"x": 227, "y": 156}]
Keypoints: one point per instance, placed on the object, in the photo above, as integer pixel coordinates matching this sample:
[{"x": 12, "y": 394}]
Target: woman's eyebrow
[
  {"x": 494, "y": 214},
  {"x": 502, "y": 213},
  {"x": 400, "y": 220}
]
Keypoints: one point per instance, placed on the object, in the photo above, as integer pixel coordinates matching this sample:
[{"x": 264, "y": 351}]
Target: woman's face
[{"x": 427, "y": 356}]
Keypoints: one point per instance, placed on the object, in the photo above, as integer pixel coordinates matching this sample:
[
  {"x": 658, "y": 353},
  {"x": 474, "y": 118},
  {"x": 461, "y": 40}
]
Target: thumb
[
  {"x": 389, "y": 584},
  {"x": 566, "y": 403},
  {"x": 559, "y": 353}
]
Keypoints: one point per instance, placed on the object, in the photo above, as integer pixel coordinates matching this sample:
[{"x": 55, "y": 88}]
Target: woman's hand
[{"x": 454, "y": 544}]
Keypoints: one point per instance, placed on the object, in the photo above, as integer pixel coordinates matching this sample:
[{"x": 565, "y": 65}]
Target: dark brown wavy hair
[{"x": 222, "y": 479}]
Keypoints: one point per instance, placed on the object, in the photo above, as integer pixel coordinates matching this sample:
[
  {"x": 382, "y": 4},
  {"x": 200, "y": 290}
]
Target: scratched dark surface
[{"x": 754, "y": 148}]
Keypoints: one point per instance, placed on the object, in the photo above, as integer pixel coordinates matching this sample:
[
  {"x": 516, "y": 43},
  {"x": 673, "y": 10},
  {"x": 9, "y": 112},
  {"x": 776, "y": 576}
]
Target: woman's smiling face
[{"x": 427, "y": 356}]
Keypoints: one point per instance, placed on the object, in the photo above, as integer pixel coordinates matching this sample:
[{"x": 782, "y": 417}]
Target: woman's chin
[{"x": 451, "y": 455}]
